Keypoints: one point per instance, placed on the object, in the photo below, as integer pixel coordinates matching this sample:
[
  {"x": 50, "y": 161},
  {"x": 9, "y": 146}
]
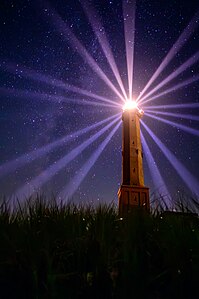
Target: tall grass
[{"x": 68, "y": 251}]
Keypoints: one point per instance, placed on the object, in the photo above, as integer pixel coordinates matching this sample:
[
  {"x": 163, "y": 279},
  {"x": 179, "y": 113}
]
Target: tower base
[{"x": 132, "y": 197}]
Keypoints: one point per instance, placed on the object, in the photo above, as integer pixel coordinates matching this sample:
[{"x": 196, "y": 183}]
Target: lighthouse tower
[{"x": 132, "y": 192}]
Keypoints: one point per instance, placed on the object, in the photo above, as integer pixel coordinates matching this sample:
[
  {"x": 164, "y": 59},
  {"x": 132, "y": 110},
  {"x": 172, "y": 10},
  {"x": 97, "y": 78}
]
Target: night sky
[{"x": 36, "y": 111}]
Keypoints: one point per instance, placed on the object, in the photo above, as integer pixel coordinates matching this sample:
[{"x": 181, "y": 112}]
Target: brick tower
[{"x": 132, "y": 192}]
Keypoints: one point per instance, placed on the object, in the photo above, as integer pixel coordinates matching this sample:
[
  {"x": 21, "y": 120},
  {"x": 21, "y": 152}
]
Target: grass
[{"x": 67, "y": 251}]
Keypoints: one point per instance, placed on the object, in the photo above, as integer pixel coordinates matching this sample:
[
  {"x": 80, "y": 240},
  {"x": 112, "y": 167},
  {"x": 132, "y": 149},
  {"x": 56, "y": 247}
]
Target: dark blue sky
[{"x": 30, "y": 40}]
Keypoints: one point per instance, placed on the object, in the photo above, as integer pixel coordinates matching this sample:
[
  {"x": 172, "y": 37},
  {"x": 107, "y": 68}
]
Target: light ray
[
  {"x": 129, "y": 32},
  {"x": 174, "y": 88},
  {"x": 181, "y": 170},
  {"x": 177, "y": 115},
  {"x": 174, "y": 124},
  {"x": 49, "y": 97},
  {"x": 29, "y": 157},
  {"x": 70, "y": 37},
  {"x": 174, "y": 106},
  {"x": 183, "y": 38},
  {"x": 154, "y": 171},
  {"x": 25, "y": 72},
  {"x": 91, "y": 103},
  {"x": 187, "y": 64},
  {"x": 71, "y": 188},
  {"x": 34, "y": 185},
  {"x": 102, "y": 38}
]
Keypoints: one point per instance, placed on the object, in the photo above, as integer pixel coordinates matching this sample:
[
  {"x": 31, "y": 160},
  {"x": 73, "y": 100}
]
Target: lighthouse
[{"x": 132, "y": 193}]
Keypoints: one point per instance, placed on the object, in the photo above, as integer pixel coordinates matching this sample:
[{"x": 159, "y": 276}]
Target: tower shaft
[
  {"x": 132, "y": 192},
  {"x": 132, "y": 168}
]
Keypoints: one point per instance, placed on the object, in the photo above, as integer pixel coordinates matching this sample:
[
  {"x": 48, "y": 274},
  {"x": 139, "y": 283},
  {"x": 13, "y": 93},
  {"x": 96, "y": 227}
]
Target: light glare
[{"x": 130, "y": 104}]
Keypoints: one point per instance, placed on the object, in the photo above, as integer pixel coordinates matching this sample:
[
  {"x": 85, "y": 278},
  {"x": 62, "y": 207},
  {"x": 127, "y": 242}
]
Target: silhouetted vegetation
[{"x": 65, "y": 251}]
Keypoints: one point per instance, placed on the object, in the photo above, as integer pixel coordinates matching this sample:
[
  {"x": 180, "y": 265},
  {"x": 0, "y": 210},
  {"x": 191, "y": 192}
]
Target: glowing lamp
[
  {"x": 129, "y": 105},
  {"x": 132, "y": 105}
]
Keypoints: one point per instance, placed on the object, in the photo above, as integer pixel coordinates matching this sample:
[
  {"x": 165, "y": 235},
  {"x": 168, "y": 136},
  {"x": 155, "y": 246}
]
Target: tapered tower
[{"x": 132, "y": 192}]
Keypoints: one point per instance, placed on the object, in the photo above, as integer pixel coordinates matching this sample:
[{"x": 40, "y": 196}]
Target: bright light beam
[
  {"x": 186, "y": 176},
  {"x": 187, "y": 64},
  {"x": 174, "y": 124},
  {"x": 71, "y": 188},
  {"x": 99, "y": 31},
  {"x": 174, "y": 106},
  {"x": 129, "y": 32},
  {"x": 31, "y": 187},
  {"x": 177, "y": 115},
  {"x": 154, "y": 171},
  {"x": 22, "y": 71},
  {"x": 174, "y": 88},
  {"x": 70, "y": 37},
  {"x": 29, "y": 157},
  {"x": 183, "y": 38},
  {"x": 49, "y": 97}
]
